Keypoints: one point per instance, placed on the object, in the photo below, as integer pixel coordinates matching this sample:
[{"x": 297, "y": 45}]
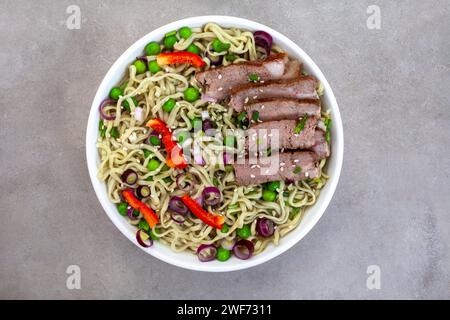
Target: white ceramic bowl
[{"x": 187, "y": 260}]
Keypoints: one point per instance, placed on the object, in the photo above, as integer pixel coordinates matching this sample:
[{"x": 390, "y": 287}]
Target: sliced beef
[
  {"x": 293, "y": 70},
  {"x": 320, "y": 148},
  {"x": 299, "y": 88},
  {"x": 279, "y": 109},
  {"x": 218, "y": 82},
  {"x": 292, "y": 166},
  {"x": 263, "y": 133}
]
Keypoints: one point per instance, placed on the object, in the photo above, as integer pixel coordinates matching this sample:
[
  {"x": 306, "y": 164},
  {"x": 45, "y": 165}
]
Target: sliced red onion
[
  {"x": 144, "y": 239},
  {"x": 209, "y": 128},
  {"x": 188, "y": 185},
  {"x": 227, "y": 244},
  {"x": 139, "y": 114},
  {"x": 199, "y": 200},
  {"x": 198, "y": 159},
  {"x": 215, "y": 60},
  {"x": 175, "y": 204},
  {"x": 143, "y": 191},
  {"x": 143, "y": 59},
  {"x": 265, "y": 227},
  {"x": 211, "y": 196},
  {"x": 103, "y": 115},
  {"x": 130, "y": 211},
  {"x": 206, "y": 252},
  {"x": 227, "y": 157},
  {"x": 264, "y": 40},
  {"x": 177, "y": 217},
  {"x": 243, "y": 249},
  {"x": 129, "y": 177}
]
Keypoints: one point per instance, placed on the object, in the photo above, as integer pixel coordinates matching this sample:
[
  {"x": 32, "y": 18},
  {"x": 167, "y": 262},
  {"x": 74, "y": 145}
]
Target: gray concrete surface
[{"x": 391, "y": 208}]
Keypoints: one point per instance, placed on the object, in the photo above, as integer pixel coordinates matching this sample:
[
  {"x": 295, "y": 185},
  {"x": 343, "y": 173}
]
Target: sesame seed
[
  {"x": 261, "y": 90},
  {"x": 255, "y": 97},
  {"x": 307, "y": 174},
  {"x": 219, "y": 77},
  {"x": 282, "y": 164},
  {"x": 282, "y": 169},
  {"x": 252, "y": 176},
  {"x": 267, "y": 171},
  {"x": 270, "y": 135},
  {"x": 262, "y": 107},
  {"x": 262, "y": 81},
  {"x": 246, "y": 100},
  {"x": 253, "y": 166},
  {"x": 220, "y": 89},
  {"x": 296, "y": 160},
  {"x": 282, "y": 149}
]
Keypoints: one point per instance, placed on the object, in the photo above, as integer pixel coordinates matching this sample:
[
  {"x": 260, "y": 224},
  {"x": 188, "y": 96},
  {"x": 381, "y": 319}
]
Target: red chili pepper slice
[
  {"x": 179, "y": 58},
  {"x": 210, "y": 219},
  {"x": 147, "y": 212}
]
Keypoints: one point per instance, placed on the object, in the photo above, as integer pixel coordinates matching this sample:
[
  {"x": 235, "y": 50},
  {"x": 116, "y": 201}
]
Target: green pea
[
  {"x": 196, "y": 123},
  {"x": 169, "y": 105},
  {"x": 182, "y": 136},
  {"x": 219, "y": 46},
  {"x": 191, "y": 94},
  {"x": 229, "y": 168},
  {"x": 154, "y": 141},
  {"x": 153, "y": 67},
  {"x": 244, "y": 232},
  {"x": 140, "y": 66},
  {"x": 122, "y": 208},
  {"x": 185, "y": 32},
  {"x": 147, "y": 153},
  {"x": 144, "y": 226},
  {"x": 168, "y": 180},
  {"x": 272, "y": 186},
  {"x": 269, "y": 195},
  {"x": 193, "y": 48},
  {"x": 223, "y": 254},
  {"x": 216, "y": 182},
  {"x": 150, "y": 178},
  {"x": 170, "y": 41},
  {"x": 229, "y": 141},
  {"x": 224, "y": 229},
  {"x": 230, "y": 57},
  {"x": 126, "y": 104},
  {"x": 135, "y": 213},
  {"x": 171, "y": 33},
  {"x": 152, "y": 49},
  {"x": 115, "y": 93},
  {"x": 153, "y": 164},
  {"x": 114, "y": 133}
]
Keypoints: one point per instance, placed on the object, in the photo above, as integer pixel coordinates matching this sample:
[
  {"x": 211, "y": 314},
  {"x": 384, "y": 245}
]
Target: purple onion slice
[
  {"x": 129, "y": 177},
  {"x": 243, "y": 249},
  {"x": 143, "y": 191},
  {"x": 265, "y": 227},
  {"x": 177, "y": 217},
  {"x": 176, "y": 205},
  {"x": 264, "y": 40},
  {"x": 105, "y": 103},
  {"x": 215, "y": 60},
  {"x": 144, "y": 239},
  {"x": 185, "y": 182},
  {"x": 130, "y": 213},
  {"x": 211, "y": 196},
  {"x": 206, "y": 252}
]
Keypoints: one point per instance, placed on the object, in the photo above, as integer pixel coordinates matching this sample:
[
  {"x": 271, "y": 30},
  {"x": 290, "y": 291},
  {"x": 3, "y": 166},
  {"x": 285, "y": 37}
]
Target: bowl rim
[{"x": 300, "y": 231}]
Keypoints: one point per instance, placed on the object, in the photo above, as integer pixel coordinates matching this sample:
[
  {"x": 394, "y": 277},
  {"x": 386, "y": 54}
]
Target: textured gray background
[{"x": 391, "y": 207}]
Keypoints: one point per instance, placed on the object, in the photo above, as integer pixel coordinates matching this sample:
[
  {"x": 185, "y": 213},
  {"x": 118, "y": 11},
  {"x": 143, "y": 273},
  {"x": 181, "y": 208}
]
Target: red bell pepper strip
[
  {"x": 180, "y": 57},
  {"x": 147, "y": 212},
  {"x": 210, "y": 219},
  {"x": 175, "y": 158}
]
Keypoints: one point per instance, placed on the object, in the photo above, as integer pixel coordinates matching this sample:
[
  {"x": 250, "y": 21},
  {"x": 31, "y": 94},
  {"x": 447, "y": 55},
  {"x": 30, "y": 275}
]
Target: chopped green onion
[
  {"x": 114, "y": 133},
  {"x": 301, "y": 125},
  {"x": 255, "y": 116},
  {"x": 294, "y": 212},
  {"x": 253, "y": 77},
  {"x": 241, "y": 116},
  {"x": 230, "y": 57},
  {"x": 297, "y": 169},
  {"x": 171, "y": 33}
]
